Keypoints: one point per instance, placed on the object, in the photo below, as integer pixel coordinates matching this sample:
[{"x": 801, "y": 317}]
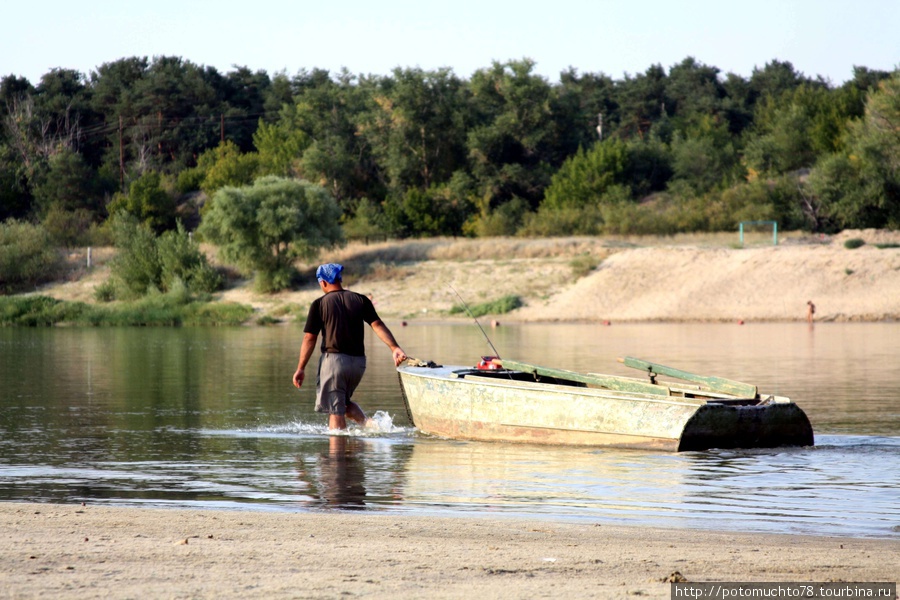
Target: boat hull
[{"x": 442, "y": 402}]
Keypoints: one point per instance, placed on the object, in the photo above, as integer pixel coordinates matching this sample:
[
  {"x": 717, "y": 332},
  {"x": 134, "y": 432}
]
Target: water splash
[
  {"x": 294, "y": 428},
  {"x": 380, "y": 424}
]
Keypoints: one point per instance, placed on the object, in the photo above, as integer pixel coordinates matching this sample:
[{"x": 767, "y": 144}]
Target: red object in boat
[{"x": 486, "y": 363}]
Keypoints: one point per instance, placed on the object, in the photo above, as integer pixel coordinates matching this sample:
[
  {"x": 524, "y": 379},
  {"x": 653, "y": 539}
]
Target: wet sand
[{"x": 74, "y": 551}]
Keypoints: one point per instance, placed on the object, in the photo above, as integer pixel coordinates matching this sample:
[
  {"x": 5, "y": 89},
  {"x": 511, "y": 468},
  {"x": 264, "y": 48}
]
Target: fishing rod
[{"x": 466, "y": 306}]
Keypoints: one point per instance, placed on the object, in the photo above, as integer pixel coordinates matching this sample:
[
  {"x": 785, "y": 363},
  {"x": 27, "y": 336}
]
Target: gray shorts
[{"x": 339, "y": 374}]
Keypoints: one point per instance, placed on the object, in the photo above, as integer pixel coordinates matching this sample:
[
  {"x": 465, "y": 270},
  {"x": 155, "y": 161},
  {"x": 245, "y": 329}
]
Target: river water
[{"x": 207, "y": 418}]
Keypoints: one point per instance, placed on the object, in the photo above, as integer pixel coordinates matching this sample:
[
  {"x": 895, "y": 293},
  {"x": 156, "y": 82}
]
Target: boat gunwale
[
  {"x": 584, "y": 391},
  {"x": 445, "y": 374}
]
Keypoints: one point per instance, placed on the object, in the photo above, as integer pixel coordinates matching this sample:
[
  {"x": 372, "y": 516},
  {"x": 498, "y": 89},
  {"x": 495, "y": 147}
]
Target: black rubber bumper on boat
[{"x": 764, "y": 426}]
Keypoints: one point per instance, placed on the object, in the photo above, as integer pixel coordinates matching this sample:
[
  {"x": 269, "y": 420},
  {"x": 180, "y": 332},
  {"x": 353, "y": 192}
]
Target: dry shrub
[
  {"x": 360, "y": 258},
  {"x": 289, "y": 309},
  {"x": 387, "y": 272},
  {"x": 464, "y": 249}
]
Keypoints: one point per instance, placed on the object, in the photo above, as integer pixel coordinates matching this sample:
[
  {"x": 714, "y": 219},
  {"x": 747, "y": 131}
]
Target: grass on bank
[
  {"x": 157, "y": 310},
  {"x": 496, "y": 307}
]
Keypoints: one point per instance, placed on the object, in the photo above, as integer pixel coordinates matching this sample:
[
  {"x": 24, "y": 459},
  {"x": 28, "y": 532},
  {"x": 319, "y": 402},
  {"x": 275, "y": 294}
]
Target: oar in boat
[
  {"x": 611, "y": 382},
  {"x": 714, "y": 384}
]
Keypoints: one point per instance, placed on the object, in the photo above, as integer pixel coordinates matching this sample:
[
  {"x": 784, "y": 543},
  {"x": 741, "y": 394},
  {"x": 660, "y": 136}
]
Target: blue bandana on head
[{"x": 329, "y": 273}]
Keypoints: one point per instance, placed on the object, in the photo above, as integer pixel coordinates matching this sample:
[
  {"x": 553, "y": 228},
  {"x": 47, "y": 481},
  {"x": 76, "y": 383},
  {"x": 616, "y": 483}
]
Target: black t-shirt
[{"x": 340, "y": 315}]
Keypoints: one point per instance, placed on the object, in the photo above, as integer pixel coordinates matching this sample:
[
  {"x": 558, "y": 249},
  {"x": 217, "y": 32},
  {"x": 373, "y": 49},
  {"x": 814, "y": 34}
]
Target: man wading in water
[{"x": 340, "y": 315}]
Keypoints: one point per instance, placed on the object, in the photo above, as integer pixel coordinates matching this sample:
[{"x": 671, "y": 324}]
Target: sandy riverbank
[
  {"x": 100, "y": 552},
  {"x": 682, "y": 278}
]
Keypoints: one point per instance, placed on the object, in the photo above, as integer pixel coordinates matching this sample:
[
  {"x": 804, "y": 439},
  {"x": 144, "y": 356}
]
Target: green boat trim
[{"x": 713, "y": 384}]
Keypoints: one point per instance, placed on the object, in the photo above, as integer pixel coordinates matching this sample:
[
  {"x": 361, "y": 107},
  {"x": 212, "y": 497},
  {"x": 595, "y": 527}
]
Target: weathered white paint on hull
[{"x": 479, "y": 408}]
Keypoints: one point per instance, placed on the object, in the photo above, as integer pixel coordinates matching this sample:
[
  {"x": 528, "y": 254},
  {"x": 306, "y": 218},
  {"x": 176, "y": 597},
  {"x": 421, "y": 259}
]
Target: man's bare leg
[
  {"x": 337, "y": 422},
  {"x": 356, "y": 413}
]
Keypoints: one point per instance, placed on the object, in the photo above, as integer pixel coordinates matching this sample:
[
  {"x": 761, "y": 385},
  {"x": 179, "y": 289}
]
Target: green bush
[
  {"x": 149, "y": 200},
  {"x": 217, "y": 313},
  {"x": 36, "y": 311},
  {"x": 206, "y": 279},
  {"x": 69, "y": 228},
  {"x": 652, "y": 218},
  {"x": 189, "y": 180},
  {"x": 854, "y": 243},
  {"x": 550, "y": 222},
  {"x": 146, "y": 263},
  {"x": 583, "y": 265},
  {"x": 680, "y": 209},
  {"x": 27, "y": 256},
  {"x": 587, "y": 175},
  {"x": 105, "y": 292},
  {"x": 136, "y": 266},
  {"x": 171, "y": 309},
  {"x": 366, "y": 223},
  {"x": 181, "y": 260},
  {"x": 225, "y": 165},
  {"x": 496, "y": 307},
  {"x": 501, "y": 221},
  {"x": 14, "y": 309}
]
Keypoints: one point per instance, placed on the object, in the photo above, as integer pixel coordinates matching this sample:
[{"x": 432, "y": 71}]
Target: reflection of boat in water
[
  {"x": 552, "y": 481},
  {"x": 503, "y": 400}
]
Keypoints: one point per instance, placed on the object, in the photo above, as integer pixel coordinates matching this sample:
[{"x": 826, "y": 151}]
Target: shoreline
[
  {"x": 699, "y": 279},
  {"x": 98, "y": 551}
]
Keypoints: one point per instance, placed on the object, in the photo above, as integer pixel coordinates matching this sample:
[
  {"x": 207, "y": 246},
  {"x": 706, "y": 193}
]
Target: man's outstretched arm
[
  {"x": 306, "y": 350},
  {"x": 385, "y": 335}
]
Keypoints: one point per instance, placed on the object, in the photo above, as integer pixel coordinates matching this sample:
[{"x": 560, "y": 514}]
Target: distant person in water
[
  {"x": 339, "y": 316},
  {"x": 810, "y": 311}
]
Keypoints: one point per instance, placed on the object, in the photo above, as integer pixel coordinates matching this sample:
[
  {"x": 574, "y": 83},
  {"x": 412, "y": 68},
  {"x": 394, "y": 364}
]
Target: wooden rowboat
[{"x": 504, "y": 400}]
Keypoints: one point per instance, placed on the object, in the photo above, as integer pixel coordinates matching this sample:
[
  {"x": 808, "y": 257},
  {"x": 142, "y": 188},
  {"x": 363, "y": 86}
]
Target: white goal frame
[{"x": 774, "y": 225}]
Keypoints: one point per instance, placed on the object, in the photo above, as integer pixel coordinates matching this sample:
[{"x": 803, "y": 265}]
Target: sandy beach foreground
[{"x": 74, "y": 551}]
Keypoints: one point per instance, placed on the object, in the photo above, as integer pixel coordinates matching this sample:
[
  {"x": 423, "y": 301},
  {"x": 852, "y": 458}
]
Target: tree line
[{"x": 426, "y": 152}]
